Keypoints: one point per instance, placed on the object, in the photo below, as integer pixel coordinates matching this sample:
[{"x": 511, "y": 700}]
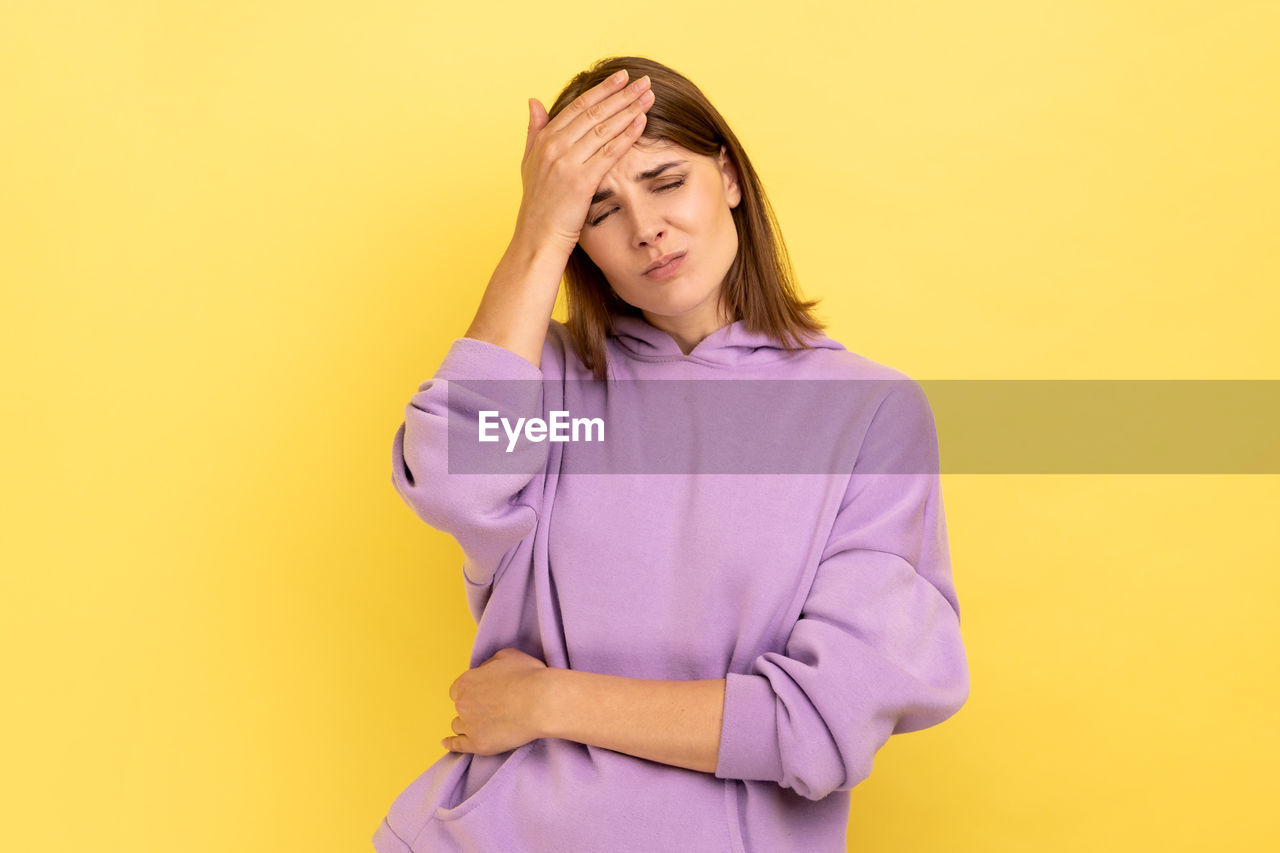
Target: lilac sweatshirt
[{"x": 824, "y": 598}]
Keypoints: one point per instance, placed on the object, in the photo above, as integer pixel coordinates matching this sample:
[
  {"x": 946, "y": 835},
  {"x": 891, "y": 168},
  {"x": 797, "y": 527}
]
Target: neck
[{"x": 688, "y": 331}]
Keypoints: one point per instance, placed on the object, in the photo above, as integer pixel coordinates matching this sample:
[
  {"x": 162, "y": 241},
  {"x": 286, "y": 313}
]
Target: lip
[{"x": 665, "y": 265}]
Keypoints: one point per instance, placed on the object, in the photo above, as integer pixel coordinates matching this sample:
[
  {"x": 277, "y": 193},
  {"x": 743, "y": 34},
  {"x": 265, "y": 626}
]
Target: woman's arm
[
  {"x": 564, "y": 160},
  {"x": 672, "y": 722},
  {"x": 521, "y": 295},
  {"x": 514, "y": 698}
]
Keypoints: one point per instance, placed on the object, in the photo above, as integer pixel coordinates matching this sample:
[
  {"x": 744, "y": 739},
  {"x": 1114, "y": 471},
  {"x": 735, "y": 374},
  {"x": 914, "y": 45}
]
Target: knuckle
[
  {"x": 602, "y": 130},
  {"x": 595, "y": 112}
]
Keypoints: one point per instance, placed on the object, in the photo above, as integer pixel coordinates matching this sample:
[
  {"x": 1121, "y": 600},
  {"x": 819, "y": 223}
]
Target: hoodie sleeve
[
  {"x": 876, "y": 650},
  {"x": 462, "y": 493}
]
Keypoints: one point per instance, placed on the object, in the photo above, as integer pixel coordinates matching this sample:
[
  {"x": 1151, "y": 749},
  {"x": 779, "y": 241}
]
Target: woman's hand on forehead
[{"x": 567, "y": 157}]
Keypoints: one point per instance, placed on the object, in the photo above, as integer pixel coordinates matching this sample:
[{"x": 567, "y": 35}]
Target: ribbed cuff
[
  {"x": 749, "y": 730},
  {"x": 469, "y": 358}
]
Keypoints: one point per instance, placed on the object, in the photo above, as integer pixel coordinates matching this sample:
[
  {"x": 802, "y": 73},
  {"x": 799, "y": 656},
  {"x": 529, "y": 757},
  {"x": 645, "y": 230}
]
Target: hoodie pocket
[
  {"x": 456, "y": 808},
  {"x": 555, "y": 795}
]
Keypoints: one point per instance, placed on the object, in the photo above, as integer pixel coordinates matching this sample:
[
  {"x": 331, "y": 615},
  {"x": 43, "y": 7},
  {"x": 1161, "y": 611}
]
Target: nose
[{"x": 648, "y": 228}]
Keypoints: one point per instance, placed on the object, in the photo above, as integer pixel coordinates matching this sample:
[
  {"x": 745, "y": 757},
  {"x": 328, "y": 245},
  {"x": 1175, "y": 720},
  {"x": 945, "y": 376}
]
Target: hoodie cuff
[
  {"x": 469, "y": 358},
  {"x": 749, "y": 730}
]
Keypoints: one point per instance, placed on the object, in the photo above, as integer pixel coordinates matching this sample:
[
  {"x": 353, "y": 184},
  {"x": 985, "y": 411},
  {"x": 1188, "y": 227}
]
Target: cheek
[
  {"x": 713, "y": 209},
  {"x": 596, "y": 253},
  {"x": 608, "y": 263},
  {"x": 728, "y": 229}
]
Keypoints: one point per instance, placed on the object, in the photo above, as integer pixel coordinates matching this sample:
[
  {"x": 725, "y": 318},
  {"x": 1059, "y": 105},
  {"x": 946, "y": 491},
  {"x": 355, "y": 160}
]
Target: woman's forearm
[
  {"x": 517, "y": 304},
  {"x": 672, "y": 722}
]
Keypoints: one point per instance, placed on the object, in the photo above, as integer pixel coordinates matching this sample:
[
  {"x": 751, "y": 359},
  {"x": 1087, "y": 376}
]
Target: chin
[
  {"x": 674, "y": 304},
  {"x": 669, "y": 310}
]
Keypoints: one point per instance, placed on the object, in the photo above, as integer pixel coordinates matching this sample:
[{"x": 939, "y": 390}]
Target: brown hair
[{"x": 759, "y": 288}]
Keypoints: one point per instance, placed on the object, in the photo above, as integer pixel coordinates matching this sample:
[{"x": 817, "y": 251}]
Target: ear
[{"x": 732, "y": 190}]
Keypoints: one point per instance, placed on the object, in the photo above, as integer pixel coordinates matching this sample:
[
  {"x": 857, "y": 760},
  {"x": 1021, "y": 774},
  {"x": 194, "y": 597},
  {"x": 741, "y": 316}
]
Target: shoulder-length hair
[{"x": 759, "y": 288}]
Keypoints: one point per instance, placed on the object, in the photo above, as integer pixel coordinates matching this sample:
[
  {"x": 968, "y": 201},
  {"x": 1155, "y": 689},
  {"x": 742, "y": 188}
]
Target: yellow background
[{"x": 234, "y": 237}]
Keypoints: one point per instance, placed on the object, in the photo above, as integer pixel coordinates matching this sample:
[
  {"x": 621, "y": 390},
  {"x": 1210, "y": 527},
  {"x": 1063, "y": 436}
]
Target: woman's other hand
[
  {"x": 496, "y": 704},
  {"x": 565, "y": 158}
]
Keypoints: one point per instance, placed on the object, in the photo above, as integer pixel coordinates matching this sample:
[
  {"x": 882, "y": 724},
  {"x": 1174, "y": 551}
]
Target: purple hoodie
[{"x": 811, "y": 577}]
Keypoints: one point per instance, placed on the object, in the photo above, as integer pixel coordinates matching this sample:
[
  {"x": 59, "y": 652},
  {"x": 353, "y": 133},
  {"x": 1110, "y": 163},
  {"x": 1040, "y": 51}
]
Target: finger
[
  {"x": 588, "y": 99},
  {"x": 537, "y": 121},
  {"x": 457, "y": 744},
  {"x": 600, "y": 124},
  {"x": 456, "y": 725},
  {"x": 453, "y": 689},
  {"x": 609, "y": 151}
]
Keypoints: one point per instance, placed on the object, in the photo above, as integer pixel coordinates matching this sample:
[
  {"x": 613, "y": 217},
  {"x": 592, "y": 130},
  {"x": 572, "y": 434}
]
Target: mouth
[{"x": 666, "y": 263}]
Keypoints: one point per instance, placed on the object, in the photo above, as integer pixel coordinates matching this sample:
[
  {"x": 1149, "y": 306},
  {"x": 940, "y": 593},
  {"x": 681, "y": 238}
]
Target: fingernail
[{"x": 619, "y": 76}]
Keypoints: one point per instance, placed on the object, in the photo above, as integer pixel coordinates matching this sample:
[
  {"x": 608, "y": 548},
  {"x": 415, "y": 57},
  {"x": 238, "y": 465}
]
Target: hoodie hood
[{"x": 728, "y": 346}]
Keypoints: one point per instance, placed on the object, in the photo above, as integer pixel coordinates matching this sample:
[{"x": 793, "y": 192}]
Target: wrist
[
  {"x": 536, "y": 247},
  {"x": 545, "y": 707}
]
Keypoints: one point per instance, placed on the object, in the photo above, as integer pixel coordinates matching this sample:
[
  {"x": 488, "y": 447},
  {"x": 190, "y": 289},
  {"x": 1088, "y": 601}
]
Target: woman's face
[{"x": 660, "y": 199}]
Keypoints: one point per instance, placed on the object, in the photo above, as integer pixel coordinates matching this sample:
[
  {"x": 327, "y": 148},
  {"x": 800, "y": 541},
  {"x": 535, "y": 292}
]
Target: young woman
[{"x": 697, "y": 626}]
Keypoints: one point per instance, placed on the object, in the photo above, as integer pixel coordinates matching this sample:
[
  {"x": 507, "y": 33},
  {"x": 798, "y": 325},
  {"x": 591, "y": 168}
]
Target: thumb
[{"x": 537, "y": 121}]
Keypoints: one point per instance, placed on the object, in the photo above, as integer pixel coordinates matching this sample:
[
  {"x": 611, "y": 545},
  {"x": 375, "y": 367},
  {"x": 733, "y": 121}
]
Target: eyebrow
[{"x": 643, "y": 176}]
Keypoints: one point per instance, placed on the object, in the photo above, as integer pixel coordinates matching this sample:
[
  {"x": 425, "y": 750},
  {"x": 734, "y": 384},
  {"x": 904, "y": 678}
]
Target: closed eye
[{"x": 605, "y": 215}]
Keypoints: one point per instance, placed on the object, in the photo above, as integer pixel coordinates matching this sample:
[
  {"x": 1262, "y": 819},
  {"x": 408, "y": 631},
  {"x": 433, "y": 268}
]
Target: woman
[{"x": 704, "y": 649}]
